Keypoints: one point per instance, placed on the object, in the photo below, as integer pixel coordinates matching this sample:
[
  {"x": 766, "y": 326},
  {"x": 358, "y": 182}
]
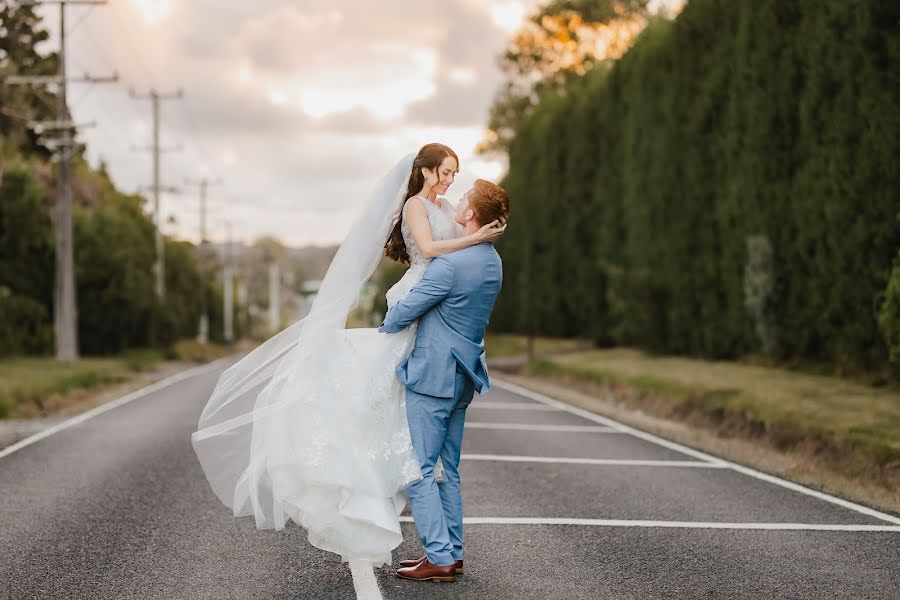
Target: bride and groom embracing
[{"x": 337, "y": 428}]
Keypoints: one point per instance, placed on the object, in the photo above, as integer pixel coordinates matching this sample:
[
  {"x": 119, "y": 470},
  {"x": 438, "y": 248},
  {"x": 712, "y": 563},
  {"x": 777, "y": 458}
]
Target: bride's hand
[{"x": 490, "y": 232}]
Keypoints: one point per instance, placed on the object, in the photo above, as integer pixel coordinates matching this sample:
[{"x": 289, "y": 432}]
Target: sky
[{"x": 293, "y": 108}]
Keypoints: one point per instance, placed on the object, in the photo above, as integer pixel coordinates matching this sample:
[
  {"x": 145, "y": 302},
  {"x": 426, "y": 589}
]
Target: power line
[
  {"x": 84, "y": 94},
  {"x": 86, "y": 14},
  {"x": 124, "y": 28},
  {"x": 128, "y": 37}
]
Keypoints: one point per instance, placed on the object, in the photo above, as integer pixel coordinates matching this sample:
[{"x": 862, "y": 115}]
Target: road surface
[{"x": 559, "y": 503}]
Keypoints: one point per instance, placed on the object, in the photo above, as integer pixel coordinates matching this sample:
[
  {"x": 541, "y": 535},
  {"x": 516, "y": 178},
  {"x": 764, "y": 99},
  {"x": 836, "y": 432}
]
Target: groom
[{"x": 453, "y": 302}]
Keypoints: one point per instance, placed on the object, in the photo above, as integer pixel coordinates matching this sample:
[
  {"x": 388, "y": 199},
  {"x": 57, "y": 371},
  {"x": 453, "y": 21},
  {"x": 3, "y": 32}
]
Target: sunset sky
[{"x": 298, "y": 106}]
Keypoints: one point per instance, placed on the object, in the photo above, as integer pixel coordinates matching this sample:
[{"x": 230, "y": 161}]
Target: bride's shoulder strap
[{"x": 418, "y": 199}]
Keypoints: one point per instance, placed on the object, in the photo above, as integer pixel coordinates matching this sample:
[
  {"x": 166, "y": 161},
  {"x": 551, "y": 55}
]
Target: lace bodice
[{"x": 443, "y": 227}]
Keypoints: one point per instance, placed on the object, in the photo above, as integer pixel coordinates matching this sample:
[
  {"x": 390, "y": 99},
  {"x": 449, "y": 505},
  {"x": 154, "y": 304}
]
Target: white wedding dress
[
  {"x": 329, "y": 443},
  {"x": 347, "y": 453}
]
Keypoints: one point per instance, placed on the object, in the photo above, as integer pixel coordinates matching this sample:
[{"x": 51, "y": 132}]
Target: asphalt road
[{"x": 559, "y": 505}]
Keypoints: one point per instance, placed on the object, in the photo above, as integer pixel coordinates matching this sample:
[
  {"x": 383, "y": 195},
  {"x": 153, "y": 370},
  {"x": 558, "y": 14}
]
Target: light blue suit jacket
[{"x": 453, "y": 302}]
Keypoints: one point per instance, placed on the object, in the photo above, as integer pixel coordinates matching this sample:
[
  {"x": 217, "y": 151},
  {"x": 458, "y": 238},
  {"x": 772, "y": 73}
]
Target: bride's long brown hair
[{"x": 430, "y": 157}]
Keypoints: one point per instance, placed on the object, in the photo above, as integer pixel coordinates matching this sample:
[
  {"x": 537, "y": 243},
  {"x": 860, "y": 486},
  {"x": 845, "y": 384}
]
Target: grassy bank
[
  {"x": 507, "y": 346},
  {"x": 37, "y": 386},
  {"x": 841, "y": 426}
]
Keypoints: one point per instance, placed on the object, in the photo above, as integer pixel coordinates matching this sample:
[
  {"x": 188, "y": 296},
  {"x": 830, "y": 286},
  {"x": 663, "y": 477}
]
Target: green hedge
[
  {"x": 26, "y": 263},
  {"x": 730, "y": 186},
  {"x": 889, "y": 316},
  {"x": 24, "y": 325},
  {"x": 114, "y": 253}
]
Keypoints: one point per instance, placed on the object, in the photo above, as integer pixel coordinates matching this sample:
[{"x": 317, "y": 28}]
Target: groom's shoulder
[
  {"x": 473, "y": 259},
  {"x": 474, "y": 252}
]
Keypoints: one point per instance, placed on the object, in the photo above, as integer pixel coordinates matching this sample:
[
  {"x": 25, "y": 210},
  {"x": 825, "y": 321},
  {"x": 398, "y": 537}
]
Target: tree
[
  {"x": 563, "y": 41},
  {"x": 113, "y": 253},
  {"x": 20, "y": 35},
  {"x": 26, "y": 259}
]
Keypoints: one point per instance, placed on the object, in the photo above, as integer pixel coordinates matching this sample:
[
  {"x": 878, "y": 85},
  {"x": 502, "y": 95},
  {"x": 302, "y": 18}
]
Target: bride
[{"x": 311, "y": 425}]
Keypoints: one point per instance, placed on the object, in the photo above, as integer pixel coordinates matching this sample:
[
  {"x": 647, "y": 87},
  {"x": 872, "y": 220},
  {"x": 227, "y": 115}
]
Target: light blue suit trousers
[{"x": 436, "y": 426}]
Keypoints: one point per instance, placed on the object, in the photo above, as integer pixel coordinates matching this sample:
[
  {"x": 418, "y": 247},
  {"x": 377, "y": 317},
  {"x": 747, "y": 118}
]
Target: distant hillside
[
  {"x": 314, "y": 260},
  {"x": 311, "y": 261}
]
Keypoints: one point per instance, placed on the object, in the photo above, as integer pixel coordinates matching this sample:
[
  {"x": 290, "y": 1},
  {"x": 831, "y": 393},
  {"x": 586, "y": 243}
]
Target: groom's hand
[
  {"x": 384, "y": 326},
  {"x": 388, "y": 329}
]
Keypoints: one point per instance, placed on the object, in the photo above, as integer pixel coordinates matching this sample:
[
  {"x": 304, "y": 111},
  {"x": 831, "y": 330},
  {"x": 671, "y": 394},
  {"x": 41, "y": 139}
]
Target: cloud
[
  {"x": 299, "y": 106},
  {"x": 470, "y": 47}
]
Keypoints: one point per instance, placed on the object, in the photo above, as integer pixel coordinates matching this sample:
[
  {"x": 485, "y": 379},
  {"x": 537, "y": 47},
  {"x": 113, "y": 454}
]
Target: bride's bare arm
[{"x": 416, "y": 216}]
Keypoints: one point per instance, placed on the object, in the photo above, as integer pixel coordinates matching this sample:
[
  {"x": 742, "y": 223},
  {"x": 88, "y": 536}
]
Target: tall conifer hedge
[{"x": 731, "y": 185}]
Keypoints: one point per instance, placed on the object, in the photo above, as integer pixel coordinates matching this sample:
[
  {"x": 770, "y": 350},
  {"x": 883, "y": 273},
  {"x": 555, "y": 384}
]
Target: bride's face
[{"x": 446, "y": 173}]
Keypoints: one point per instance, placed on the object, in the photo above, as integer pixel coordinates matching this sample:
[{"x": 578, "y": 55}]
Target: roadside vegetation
[{"x": 36, "y": 386}]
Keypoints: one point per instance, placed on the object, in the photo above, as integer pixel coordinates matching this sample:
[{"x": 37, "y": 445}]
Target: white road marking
[
  {"x": 671, "y": 524},
  {"x": 364, "y": 580},
  {"x": 162, "y": 383},
  {"x": 796, "y": 487},
  {"x": 487, "y": 404},
  {"x": 362, "y": 572},
  {"x": 595, "y": 461},
  {"x": 529, "y": 427}
]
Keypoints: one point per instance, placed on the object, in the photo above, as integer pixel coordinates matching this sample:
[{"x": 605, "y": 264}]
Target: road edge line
[
  {"x": 796, "y": 487},
  {"x": 115, "y": 403}
]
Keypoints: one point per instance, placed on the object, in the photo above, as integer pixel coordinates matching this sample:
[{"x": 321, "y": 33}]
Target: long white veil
[{"x": 247, "y": 392}]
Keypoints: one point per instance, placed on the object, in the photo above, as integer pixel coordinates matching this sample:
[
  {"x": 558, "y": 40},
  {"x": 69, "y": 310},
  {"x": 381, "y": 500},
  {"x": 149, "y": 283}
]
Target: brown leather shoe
[
  {"x": 425, "y": 571},
  {"x": 415, "y": 561}
]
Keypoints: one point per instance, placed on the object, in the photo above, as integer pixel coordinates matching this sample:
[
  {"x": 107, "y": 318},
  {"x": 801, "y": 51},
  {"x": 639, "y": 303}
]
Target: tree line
[
  {"x": 727, "y": 187},
  {"x": 118, "y": 307},
  {"x": 113, "y": 235}
]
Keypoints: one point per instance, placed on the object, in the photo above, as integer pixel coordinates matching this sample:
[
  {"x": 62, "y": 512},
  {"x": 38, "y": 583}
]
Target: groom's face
[{"x": 463, "y": 213}]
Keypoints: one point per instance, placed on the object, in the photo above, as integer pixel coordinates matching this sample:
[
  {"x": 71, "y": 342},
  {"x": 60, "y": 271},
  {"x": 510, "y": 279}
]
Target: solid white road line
[
  {"x": 528, "y": 427},
  {"x": 595, "y": 461},
  {"x": 671, "y": 524},
  {"x": 364, "y": 580},
  {"x": 502, "y": 405},
  {"x": 517, "y": 389},
  {"x": 162, "y": 383}
]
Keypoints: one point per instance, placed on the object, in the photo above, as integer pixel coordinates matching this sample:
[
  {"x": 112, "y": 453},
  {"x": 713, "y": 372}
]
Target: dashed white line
[
  {"x": 364, "y": 580},
  {"x": 594, "y": 461},
  {"x": 530, "y": 427},
  {"x": 672, "y": 524},
  {"x": 517, "y": 389}
]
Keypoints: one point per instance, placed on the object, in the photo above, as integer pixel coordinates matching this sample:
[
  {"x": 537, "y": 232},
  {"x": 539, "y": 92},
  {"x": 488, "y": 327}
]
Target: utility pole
[
  {"x": 159, "y": 266},
  {"x": 203, "y": 184},
  {"x": 228, "y": 288},
  {"x": 65, "y": 310},
  {"x": 274, "y": 299}
]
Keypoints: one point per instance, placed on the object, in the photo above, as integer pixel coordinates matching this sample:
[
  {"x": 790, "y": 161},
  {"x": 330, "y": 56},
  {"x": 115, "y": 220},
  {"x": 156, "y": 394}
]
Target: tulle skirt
[{"x": 326, "y": 445}]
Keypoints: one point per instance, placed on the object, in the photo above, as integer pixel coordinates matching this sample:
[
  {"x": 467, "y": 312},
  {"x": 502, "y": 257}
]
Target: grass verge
[
  {"x": 501, "y": 345},
  {"x": 37, "y": 386}
]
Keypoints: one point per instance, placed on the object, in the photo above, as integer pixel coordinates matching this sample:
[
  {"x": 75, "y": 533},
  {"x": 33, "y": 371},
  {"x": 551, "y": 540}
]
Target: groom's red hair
[{"x": 489, "y": 202}]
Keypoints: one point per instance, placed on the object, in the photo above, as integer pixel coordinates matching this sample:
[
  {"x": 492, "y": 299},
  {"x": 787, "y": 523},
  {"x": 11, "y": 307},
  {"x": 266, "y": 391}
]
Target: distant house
[{"x": 310, "y": 287}]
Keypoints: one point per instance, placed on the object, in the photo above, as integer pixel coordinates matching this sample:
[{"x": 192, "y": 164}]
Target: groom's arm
[{"x": 432, "y": 288}]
